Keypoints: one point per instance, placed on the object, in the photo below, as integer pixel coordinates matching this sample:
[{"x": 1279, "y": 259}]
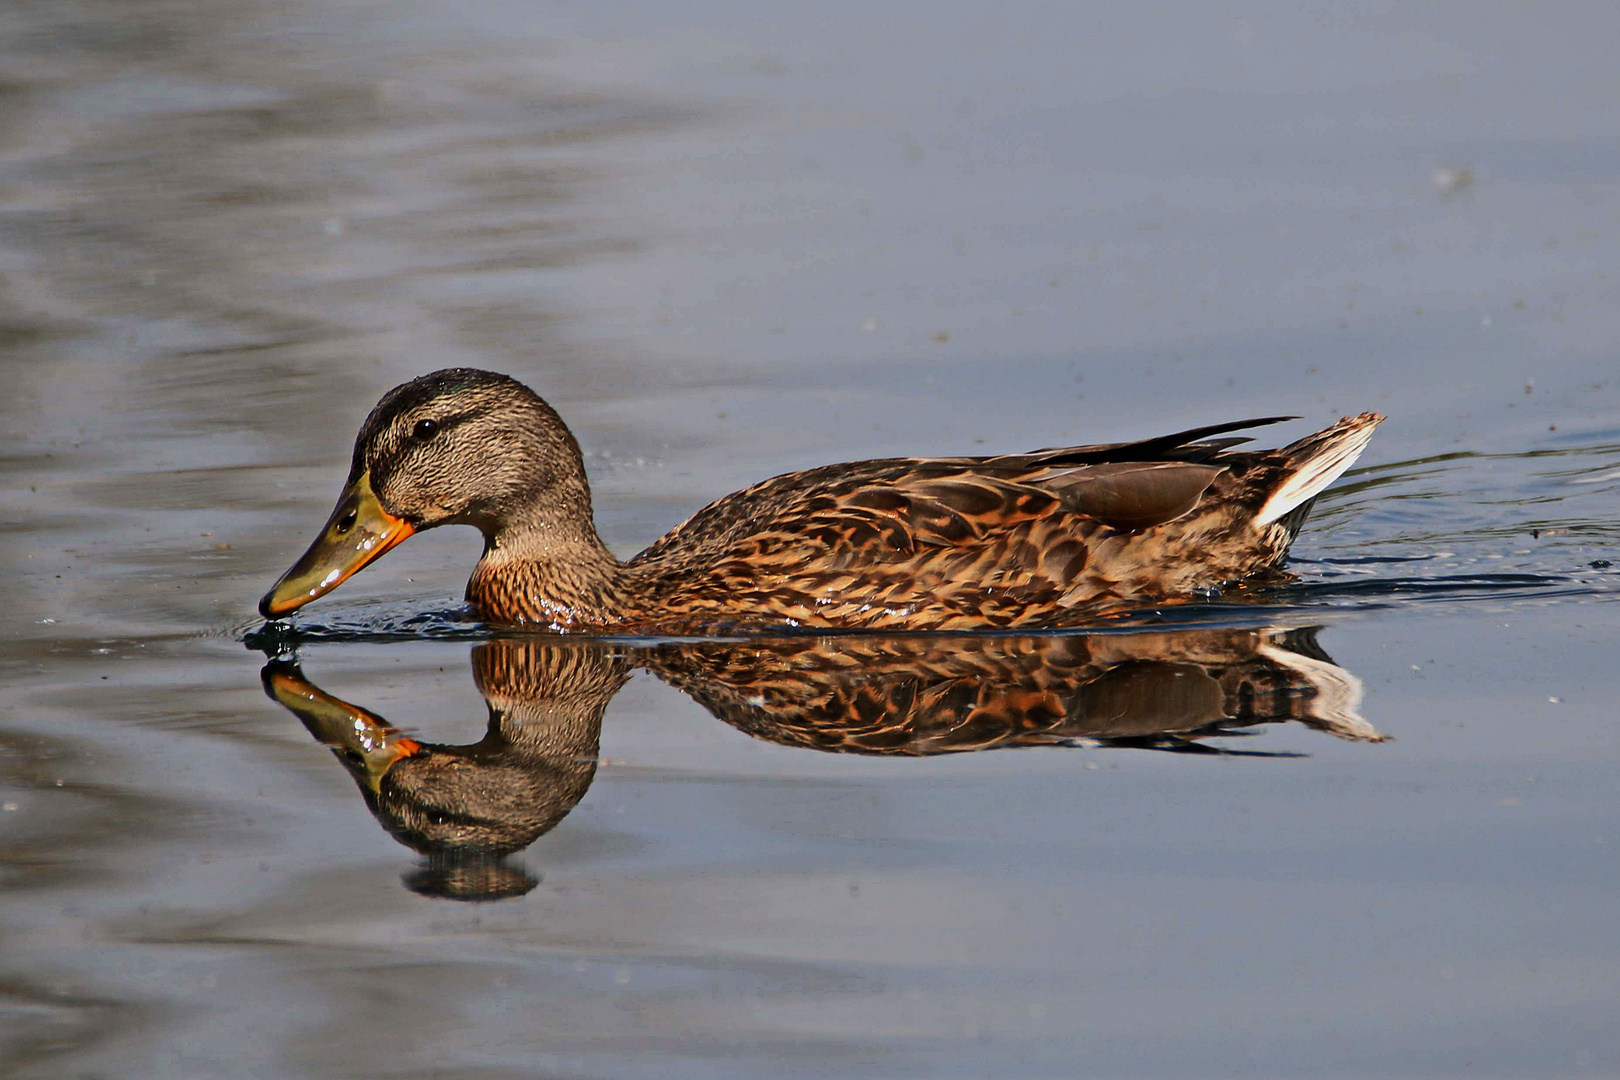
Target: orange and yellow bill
[{"x": 357, "y": 534}]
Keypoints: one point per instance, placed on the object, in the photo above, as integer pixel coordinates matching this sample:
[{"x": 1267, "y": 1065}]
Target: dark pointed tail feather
[
  {"x": 1316, "y": 461},
  {"x": 1155, "y": 449},
  {"x": 1182, "y": 438}
]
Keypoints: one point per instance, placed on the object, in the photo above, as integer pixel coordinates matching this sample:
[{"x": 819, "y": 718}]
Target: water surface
[{"x": 726, "y": 242}]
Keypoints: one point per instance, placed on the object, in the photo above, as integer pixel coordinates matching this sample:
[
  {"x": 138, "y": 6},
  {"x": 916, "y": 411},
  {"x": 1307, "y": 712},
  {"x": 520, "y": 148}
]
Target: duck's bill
[
  {"x": 367, "y": 743},
  {"x": 357, "y": 534}
]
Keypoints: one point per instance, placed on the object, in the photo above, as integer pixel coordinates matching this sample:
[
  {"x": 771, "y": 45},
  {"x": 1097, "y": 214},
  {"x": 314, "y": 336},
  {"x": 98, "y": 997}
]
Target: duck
[{"x": 1056, "y": 537}]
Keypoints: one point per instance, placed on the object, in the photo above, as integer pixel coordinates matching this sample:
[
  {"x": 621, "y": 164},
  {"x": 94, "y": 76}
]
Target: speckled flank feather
[{"x": 1047, "y": 538}]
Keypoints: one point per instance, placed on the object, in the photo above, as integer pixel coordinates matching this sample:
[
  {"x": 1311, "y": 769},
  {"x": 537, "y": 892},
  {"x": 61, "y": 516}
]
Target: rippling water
[{"x": 1357, "y": 823}]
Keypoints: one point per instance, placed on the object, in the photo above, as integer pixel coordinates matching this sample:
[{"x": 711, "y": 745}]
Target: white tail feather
[{"x": 1338, "y": 448}]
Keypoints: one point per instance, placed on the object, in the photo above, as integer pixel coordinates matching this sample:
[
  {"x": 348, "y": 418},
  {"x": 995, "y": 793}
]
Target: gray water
[{"x": 730, "y": 240}]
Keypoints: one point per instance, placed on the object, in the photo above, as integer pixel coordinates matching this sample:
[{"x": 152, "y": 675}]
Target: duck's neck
[{"x": 553, "y": 572}]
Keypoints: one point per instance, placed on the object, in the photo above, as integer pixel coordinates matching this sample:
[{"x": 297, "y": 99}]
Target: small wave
[
  {"x": 280, "y": 636},
  {"x": 1243, "y": 606}
]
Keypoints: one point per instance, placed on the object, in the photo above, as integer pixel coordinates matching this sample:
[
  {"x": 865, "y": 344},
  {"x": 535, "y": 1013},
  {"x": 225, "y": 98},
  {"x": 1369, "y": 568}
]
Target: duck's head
[{"x": 457, "y": 447}]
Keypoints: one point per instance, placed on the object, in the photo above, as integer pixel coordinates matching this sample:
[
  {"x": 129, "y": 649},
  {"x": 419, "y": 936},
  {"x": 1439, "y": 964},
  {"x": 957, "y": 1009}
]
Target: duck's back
[{"x": 1035, "y": 539}]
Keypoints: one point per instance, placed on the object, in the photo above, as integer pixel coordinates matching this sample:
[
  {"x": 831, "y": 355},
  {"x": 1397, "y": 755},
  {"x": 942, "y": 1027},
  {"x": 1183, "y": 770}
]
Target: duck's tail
[{"x": 1316, "y": 461}]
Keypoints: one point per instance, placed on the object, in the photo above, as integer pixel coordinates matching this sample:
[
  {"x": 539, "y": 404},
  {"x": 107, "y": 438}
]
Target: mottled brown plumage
[{"x": 1053, "y": 537}]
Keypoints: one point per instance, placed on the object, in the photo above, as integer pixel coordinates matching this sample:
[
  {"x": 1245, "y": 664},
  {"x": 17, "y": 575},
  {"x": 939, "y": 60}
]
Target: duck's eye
[{"x": 425, "y": 429}]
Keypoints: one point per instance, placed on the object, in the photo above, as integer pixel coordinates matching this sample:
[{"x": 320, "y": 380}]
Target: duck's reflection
[
  {"x": 918, "y": 695},
  {"x": 468, "y": 807}
]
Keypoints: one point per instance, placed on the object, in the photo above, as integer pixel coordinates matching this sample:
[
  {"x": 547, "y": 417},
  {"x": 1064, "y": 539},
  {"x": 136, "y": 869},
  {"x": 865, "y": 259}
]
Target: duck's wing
[
  {"x": 903, "y": 504},
  {"x": 1126, "y": 486},
  {"x": 935, "y": 506}
]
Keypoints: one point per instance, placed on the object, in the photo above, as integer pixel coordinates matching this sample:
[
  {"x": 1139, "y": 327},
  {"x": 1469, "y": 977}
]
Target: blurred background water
[{"x": 727, "y": 240}]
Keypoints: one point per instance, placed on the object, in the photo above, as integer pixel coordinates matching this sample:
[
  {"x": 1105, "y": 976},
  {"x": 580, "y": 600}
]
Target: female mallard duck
[{"x": 1024, "y": 540}]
